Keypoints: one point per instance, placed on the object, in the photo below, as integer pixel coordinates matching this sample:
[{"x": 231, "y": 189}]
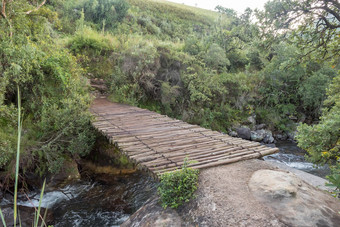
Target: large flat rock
[{"x": 226, "y": 198}]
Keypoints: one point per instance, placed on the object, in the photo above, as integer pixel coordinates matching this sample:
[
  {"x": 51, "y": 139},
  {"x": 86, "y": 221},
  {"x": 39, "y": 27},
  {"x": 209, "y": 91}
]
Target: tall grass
[{"x": 16, "y": 213}]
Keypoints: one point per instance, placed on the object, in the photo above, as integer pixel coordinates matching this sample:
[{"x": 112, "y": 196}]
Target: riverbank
[
  {"x": 226, "y": 197},
  {"x": 109, "y": 193}
]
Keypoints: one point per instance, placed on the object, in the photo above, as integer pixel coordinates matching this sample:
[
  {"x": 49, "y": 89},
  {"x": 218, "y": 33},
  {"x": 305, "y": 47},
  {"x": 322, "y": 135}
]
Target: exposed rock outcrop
[
  {"x": 258, "y": 135},
  {"x": 262, "y": 135},
  {"x": 294, "y": 202},
  {"x": 152, "y": 214},
  {"x": 268, "y": 138},
  {"x": 244, "y": 133}
]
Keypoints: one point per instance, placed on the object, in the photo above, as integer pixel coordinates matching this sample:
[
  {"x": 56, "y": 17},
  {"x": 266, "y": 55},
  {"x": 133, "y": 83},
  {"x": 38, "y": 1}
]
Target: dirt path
[
  {"x": 224, "y": 198},
  {"x": 251, "y": 193}
]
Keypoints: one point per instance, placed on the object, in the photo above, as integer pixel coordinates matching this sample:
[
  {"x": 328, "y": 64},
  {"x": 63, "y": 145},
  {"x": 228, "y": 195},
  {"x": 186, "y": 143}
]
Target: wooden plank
[
  {"x": 216, "y": 162},
  {"x": 160, "y": 144}
]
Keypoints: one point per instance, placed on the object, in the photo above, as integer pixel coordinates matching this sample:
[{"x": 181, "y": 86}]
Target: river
[
  {"x": 104, "y": 201},
  {"x": 293, "y": 156}
]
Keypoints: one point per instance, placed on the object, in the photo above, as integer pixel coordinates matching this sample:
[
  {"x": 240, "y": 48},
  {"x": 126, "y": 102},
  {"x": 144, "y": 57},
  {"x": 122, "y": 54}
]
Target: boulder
[
  {"x": 282, "y": 136},
  {"x": 257, "y": 135},
  {"x": 260, "y": 126},
  {"x": 68, "y": 173},
  {"x": 268, "y": 138},
  {"x": 152, "y": 214},
  {"x": 262, "y": 135},
  {"x": 244, "y": 133},
  {"x": 292, "y": 135},
  {"x": 233, "y": 133},
  {"x": 295, "y": 202},
  {"x": 252, "y": 120}
]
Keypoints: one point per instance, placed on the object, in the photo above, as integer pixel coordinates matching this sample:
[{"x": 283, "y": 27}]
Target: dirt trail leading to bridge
[{"x": 224, "y": 198}]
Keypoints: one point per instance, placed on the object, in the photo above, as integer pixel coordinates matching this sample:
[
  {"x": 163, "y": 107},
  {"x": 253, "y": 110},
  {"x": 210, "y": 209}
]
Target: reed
[{"x": 16, "y": 214}]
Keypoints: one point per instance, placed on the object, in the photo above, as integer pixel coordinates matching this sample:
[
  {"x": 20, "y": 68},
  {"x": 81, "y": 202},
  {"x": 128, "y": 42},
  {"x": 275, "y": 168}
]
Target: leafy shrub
[
  {"x": 110, "y": 11},
  {"x": 90, "y": 40},
  {"x": 313, "y": 90},
  {"x": 216, "y": 57},
  {"x": 192, "y": 46},
  {"x": 178, "y": 187},
  {"x": 322, "y": 140},
  {"x": 334, "y": 179},
  {"x": 55, "y": 100}
]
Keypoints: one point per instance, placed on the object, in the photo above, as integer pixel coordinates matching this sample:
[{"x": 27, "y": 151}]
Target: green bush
[
  {"x": 110, "y": 11},
  {"x": 313, "y": 90},
  {"x": 55, "y": 98},
  {"x": 216, "y": 57},
  {"x": 334, "y": 179},
  {"x": 178, "y": 187},
  {"x": 90, "y": 42},
  {"x": 322, "y": 140}
]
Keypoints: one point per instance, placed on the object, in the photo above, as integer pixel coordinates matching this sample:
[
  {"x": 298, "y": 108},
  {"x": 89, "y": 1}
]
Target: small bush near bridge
[{"x": 178, "y": 187}]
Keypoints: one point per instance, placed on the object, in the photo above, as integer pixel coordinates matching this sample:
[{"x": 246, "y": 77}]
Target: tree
[
  {"x": 216, "y": 57},
  {"x": 322, "y": 141},
  {"x": 6, "y": 14},
  {"x": 54, "y": 96},
  {"x": 312, "y": 24}
]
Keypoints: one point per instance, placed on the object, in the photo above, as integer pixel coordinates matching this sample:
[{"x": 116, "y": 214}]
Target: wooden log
[{"x": 212, "y": 163}]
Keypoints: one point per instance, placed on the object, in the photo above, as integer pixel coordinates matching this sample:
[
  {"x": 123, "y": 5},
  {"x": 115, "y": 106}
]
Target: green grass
[{"x": 171, "y": 9}]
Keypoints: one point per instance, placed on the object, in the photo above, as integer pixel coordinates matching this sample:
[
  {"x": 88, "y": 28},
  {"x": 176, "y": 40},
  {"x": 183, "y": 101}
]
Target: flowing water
[
  {"x": 104, "y": 201},
  {"x": 291, "y": 155}
]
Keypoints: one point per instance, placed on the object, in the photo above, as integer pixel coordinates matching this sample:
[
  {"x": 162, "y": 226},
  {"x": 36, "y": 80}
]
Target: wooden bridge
[{"x": 160, "y": 144}]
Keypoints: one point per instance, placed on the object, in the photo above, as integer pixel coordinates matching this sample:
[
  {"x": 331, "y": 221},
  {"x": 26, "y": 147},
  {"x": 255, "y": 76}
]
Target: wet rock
[
  {"x": 292, "y": 135},
  {"x": 244, "y": 133},
  {"x": 233, "y": 133},
  {"x": 252, "y": 120},
  {"x": 295, "y": 202},
  {"x": 258, "y": 135},
  {"x": 272, "y": 145},
  {"x": 268, "y": 138},
  {"x": 26, "y": 216},
  {"x": 152, "y": 214},
  {"x": 68, "y": 172},
  {"x": 282, "y": 136},
  {"x": 260, "y": 126}
]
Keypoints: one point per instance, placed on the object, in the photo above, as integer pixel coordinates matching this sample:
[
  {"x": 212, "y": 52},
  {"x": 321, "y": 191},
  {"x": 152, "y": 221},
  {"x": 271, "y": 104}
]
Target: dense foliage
[
  {"x": 214, "y": 69},
  {"x": 178, "y": 187},
  {"x": 56, "y": 124}
]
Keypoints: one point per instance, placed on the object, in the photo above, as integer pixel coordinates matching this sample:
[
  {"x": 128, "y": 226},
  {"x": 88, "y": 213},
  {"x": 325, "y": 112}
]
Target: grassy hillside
[{"x": 170, "y": 10}]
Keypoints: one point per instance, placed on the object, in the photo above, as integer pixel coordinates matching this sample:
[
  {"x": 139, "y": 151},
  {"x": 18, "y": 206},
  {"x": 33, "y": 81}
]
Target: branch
[
  {"x": 335, "y": 14},
  {"x": 334, "y": 2},
  {"x": 43, "y": 3},
  {"x": 3, "y": 11},
  {"x": 328, "y": 24}
]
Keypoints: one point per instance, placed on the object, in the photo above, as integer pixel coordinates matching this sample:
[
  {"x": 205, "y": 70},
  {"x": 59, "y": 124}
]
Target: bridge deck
[{"x": 160, "y": 144}]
